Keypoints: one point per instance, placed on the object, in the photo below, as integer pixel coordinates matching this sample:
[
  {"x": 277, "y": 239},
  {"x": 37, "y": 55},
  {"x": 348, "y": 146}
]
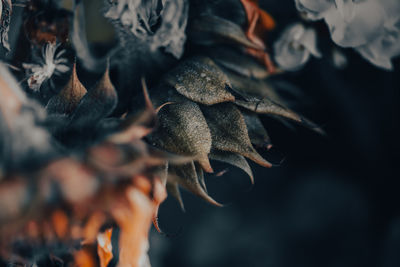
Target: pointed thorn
[
  {"x": 163, "y": 105},
  {"x": 205, "y": 164},
  {"x": 149, "y": 104},
  {"x": 156, "y": 225},
  {"x": 209, "y": 199},
  {"x": 257, "y": 158}
]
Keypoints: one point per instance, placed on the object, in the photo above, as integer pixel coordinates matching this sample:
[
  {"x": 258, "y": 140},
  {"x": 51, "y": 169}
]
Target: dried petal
[
  {"x": 83, "y": 258},
  {"x": 69, "y": 97},
  {"x": 104, "y": 247},
  {"x": 259, "y": 21},
  {"x": 134, "y": 216},
  {"x": 229, "y": 132},
  {"x": 186, "y": 176},
  {"x": 92, "y": 227},
  {"x": 183, "y": 130},
  {"x": 200, "y": 80},
  {"x": 233, "y": 159}
]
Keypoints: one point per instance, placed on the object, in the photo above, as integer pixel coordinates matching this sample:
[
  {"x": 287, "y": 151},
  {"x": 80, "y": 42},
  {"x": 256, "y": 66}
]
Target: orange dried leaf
[
  {"x": 92, "y": 227},
  {"x": 133, "y": 215},
  {"x": 83, "y": 258},
  {"x": 104, "y": 247},
  {"x": 60, "y": 223},
  {"x": 259, "y": 22}
]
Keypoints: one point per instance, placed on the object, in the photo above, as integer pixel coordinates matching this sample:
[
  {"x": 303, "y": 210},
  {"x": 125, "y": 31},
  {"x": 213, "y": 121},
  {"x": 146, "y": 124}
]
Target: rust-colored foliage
[
  {"x": 258, "y": 23},
  {"x": 110, "y": 183}
]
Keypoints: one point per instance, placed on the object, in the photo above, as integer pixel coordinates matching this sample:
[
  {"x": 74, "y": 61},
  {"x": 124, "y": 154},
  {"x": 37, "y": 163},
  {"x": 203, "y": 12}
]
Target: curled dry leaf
[
  {"x": 229, "y": 132},
  {"x": 133, "y": 213},
  {"x": 104, "y": 247},
  {"x": 200, "y": 80},
  {"x": 259, "y": 21}
]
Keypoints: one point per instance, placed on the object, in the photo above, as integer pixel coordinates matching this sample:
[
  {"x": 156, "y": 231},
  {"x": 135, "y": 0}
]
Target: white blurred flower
[
  {"x": 295, "y": 46},
  {"x": 140, "y": 17},
  {"x": 137, "y": 15},
  {"x": 372, "y": 27},
  {"x": 52, "y": 63}
]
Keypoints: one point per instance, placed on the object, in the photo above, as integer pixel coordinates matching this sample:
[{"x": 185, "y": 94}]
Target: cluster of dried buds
[
  {"x": 83, "y": 173},
  {"x": 67, "y": 202}
]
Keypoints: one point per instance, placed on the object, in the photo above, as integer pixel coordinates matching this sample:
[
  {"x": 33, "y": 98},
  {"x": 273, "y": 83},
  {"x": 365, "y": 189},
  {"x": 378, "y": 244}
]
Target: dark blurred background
[{"x": 334, "y": 201}]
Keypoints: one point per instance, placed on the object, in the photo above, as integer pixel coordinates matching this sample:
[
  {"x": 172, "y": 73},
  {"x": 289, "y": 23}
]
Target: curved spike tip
[
  {"x": 149, "y": 104},
  {"x": 205, "y": 164}
]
